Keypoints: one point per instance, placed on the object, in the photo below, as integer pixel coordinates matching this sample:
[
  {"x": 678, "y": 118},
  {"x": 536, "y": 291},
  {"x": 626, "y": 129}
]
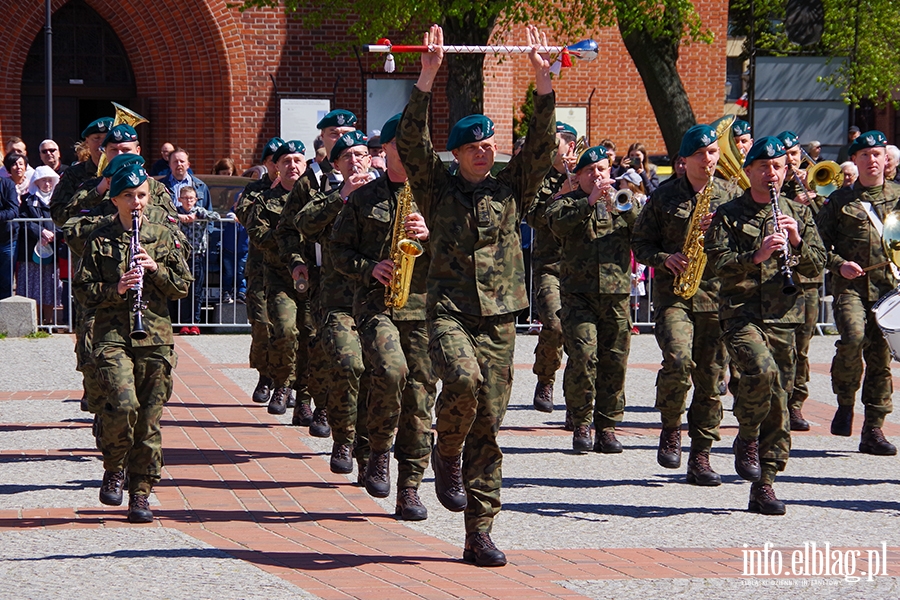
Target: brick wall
[{"x": 207, "y": 72}]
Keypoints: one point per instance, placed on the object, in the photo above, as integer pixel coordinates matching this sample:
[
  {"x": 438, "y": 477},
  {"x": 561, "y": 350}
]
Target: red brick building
[{"x": 211, "y": 78}]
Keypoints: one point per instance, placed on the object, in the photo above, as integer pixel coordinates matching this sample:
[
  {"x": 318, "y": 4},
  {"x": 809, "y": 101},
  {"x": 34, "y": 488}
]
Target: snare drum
[{"x": 887, "y": 315}]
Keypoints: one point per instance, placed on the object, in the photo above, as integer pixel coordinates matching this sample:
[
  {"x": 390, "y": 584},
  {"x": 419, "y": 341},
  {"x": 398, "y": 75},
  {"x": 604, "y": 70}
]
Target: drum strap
[{"x": 879, "y": 227}]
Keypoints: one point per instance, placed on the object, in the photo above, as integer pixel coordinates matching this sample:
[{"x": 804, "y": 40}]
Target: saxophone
[
  {"x": 404, "y": 252},
  {"x": 688, "y": 282}
]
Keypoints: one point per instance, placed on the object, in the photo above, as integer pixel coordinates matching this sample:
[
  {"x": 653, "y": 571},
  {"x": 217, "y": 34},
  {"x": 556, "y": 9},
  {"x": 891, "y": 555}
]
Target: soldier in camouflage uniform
[
  {"x": 402, "y": 386},
  {"x": 545, "y": 256},
  {"x": 595, "y": 283},
  {"x": 257, "y": 312},
  {"x": 794, "y": 190},
  {"x": 342, "y": 365},
  {"x": 850, "y": 224},
  {"x": 476, "y": 285},
  {"x": 687, "y": 329},
  {"x": 288, "y": 312},
  {"x": 135, "y": 374},
  {"x": 758, "y": 318}
]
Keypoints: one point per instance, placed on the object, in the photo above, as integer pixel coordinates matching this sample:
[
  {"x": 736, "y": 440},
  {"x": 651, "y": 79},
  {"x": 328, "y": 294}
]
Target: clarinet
[
  {"x": 788, "y": 259},
  {"x": 137, "y": 309}
]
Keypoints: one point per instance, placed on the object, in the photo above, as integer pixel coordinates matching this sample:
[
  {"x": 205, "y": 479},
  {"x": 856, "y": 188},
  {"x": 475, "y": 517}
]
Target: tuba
[
  {"x": 731, "y": 161},
  {"x": 688, "y": 282},
  {"x": 404, "y": 252},
  {"x": 826, "y": 176},
  {"x": 124, "y": 116}
]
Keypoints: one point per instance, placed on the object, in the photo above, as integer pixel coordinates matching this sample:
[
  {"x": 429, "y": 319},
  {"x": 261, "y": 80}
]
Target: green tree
[
  {"x": 653, "y": 31},
  {"x": 866, "y": 32}
]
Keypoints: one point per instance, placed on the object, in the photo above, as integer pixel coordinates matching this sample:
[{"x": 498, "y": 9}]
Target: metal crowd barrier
[{"x": 224, "y": 280}]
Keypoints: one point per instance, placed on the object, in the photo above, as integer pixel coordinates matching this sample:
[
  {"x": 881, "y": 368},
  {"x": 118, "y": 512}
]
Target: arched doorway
[{"x": 90, "y": 69}]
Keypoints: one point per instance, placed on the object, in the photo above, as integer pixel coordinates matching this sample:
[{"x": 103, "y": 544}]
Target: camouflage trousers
[
  {"x": 765, "y": 355},
  {"x": 290, "y": 328},
  {"x": 690, "y": 346},
  {"x": 549, "y": 350},
  {"x": 343, "y": 364},
  {"x": 861, "y": 338},
  {"x": 402, "y": 389},
  {"x": 257, "y": 313},
  {"x": 804, "y": 335},
  {"x": 136, "y": 382},
  {"x": 473, "y": 357},
  {"x": 597, "y": 329},
  {"x": 84, "y": 349}
]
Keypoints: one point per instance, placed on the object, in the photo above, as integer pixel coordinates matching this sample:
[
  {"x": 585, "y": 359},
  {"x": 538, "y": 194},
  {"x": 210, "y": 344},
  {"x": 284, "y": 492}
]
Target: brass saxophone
[
  {"x": 688, "y": 282},
  {"x": 404, "y": 252}
]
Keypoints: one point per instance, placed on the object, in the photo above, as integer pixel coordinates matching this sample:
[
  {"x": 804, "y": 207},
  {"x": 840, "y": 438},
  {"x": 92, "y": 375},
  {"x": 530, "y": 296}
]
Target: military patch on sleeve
[{"x": 483, "y": 211}]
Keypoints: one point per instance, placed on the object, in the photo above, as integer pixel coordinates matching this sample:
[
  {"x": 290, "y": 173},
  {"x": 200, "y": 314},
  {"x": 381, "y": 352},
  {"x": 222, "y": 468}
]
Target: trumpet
[{"x": 618, "y": 201}]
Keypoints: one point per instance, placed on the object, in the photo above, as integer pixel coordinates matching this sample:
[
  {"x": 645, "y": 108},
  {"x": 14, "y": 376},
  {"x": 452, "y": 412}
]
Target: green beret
[
  {"x": 102, "y": 125},
  {"x": 389, "y": 129},
  {"x": 764, "y": 149},
  {"x": 739, "y": 128},
  {"x": 120, "y": 161},
  {"x": 473, "y": 128},
  {"x": 126, "y": 178},
  {"x": 271, "y": 146},
  {"x": 565, "y": 128},
  {"x": 337, "y": 118},
  {"x": 591, "y": 156},
  {"x": 869, "y": 139},
  {"x": 348, "y": 140},
  {"x": 291, "y": 147},
  {"x": 695, "y": 138},
  {"x": 120, "y": 134},
  {"x": 788, "y": 138}
]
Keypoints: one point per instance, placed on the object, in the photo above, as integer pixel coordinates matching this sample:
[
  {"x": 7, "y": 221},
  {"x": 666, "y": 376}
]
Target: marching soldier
[
  {"x": 595, "y": 283},
  {"x": 743, "y": 138},
  {"x": 135, "y": 375},
  {"x": 257, "y": 312},
  {"x": 687, "y": 329},
  {"x": 402, "y": 386},
  {"x": 794, "y": 189},
  {"x": 476, "y": 285},
  {"x": 545, "y": 256},
  {"x": 850, "y": 224},
  {"x": 751, "y": 248}
]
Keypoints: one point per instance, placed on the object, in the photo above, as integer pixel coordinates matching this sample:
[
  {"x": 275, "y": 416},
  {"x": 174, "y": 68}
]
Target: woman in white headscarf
[{"x": 39, "y": 245}]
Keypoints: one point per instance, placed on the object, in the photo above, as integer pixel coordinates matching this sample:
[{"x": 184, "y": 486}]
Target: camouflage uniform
[
  {"x": 848, "y": 235},
  {"x": 257, "y": 312},
  {"x": 80, "y": 216},
  {"x": 135, "y": 375},
  {"x": 340, "y": 355},
  {"x": 545, "y": 256},
  {"x": 476, "y": 285},
  {"x": 687, "y": 330},
  {"x": 395, "y": 341},
  {"x": 595, "y": 283},
  {"x": 809, "y": 287},
  {"x": 759, "y": 320}
]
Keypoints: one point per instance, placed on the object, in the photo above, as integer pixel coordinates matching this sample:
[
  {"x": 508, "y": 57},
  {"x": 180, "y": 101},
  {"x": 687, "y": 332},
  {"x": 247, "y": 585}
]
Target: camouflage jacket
[
  {"x": 849, "y": 235},
  {"x": 545, "y": 247},
  {"x": 245, "y": 202},
  {"x": 86, "y": 198},
  {"x": 791, "y": 189},
  {"x": 78, "y": 229},
  {"x": 752, "y": 291},
  {"x": 293, "y": 248},
  {"x": 333, "y": 290},
  {"x": 69, "y": 182},
  {"x": 596, "y": 245},
  {"x": 476, "y": 244},
  {"x": 262, "y": 219},
  {"x": 106, "y": 259},
  {"x": 361, "y": 239},
  {"x": 660, "y": 232}
]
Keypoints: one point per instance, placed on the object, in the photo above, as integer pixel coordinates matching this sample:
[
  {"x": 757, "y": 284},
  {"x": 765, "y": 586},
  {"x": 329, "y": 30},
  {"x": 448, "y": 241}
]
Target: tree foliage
[{"x": 867, "y": 32}]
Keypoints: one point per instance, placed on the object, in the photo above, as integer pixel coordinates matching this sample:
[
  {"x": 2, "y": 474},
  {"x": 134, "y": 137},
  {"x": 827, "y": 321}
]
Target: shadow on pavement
[{"x": 571, "y": 511}]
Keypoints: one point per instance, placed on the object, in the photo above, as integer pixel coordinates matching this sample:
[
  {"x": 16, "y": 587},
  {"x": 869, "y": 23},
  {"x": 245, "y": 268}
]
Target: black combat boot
[
  {"x": 763, "y": 500},
  {"x": 303, "y": 414},
  {"x": 278, "y": 403},
  {"x": 606, "y": 442},
  {"x": 139, "y": 509},
  {"x": 746, "y": 458},
  {"x": 798, "y": 423},
  {"x": 699, "y": 471},
  {"x": 842, "y": 423},
  {"x": 874, "y": 442},
  {"x": 669, "y": 453},
  {"x": 581, "y": 439},
  {"x": 481, "y": 551},
  {"x": 263, "y": 389},
  {"x": 341, "y": 458},
  {"x": 543, "y": 397},
  {"x": 377, "y": 481},
  {"x": 448, "y": 484},
  {"x": 319, "y": 427},
  {"x": 111, "y": 488},
  {"x": 409, "y": 505}
]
